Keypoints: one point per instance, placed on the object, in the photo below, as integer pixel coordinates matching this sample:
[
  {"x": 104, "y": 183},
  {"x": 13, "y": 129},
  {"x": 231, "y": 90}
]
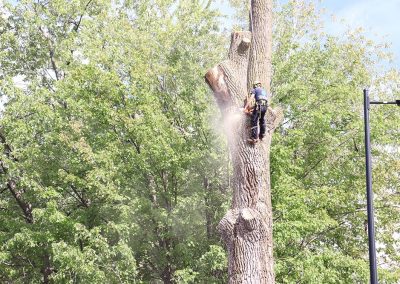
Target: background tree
[
  {"x": 318, "y": 194},
  {"x": 114, "y": 172}
]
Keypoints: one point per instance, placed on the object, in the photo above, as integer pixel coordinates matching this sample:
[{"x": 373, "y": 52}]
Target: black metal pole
[{"x": 370, "y": 205}]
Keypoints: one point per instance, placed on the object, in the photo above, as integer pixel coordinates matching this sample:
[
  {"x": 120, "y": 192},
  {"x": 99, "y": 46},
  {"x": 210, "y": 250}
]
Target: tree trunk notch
[{"x": 247, "y": 227}]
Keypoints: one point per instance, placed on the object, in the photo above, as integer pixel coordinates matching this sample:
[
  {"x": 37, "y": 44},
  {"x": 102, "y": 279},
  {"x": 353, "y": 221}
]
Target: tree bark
[{"x": 247, "y": 227}]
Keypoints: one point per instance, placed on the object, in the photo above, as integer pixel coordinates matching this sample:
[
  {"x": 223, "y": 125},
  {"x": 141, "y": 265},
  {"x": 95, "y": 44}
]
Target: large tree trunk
[{"x": 247, "y": 227}]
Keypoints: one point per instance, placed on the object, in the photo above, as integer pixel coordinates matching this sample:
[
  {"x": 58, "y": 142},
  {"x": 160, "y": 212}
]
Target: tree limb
[
  {"x": 77, "y": 24},
  {"x": 25, "y": 206}
]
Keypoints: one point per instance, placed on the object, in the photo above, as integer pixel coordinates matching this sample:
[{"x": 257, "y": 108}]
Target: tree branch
[
  {"x": 25, "y": 206},
  {"x": 84, "y": 201},
  {"x": 53, "y": 64},
  {"x": 77, "y": 24}
]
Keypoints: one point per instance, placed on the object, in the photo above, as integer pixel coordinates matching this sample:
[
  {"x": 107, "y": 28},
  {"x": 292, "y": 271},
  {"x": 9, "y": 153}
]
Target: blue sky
[{"x": 379, "y": 18}]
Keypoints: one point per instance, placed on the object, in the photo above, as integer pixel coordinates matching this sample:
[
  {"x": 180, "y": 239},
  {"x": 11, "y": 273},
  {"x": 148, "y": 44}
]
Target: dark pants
[{"x": 258, "y": 115}]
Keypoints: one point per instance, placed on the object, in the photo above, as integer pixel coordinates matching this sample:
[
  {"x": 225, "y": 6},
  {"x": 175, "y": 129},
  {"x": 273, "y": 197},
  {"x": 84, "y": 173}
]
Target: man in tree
[
  {"x": 246, "y": 228},
  {"x": 259, "y": 95}
]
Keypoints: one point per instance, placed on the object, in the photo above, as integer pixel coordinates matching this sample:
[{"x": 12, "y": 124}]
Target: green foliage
[
  {"x": 110, "y": 141},
  {"x": 318, "y": 157},
  {"x": 212, "y": 265},
  {"x": 242, "y": 12}
]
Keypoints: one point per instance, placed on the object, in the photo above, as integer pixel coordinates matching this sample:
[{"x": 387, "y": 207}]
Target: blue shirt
[{"x": 259, "y": 94}]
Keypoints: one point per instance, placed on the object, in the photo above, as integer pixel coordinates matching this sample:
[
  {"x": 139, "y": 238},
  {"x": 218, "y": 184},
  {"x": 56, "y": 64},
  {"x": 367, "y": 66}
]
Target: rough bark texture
[{"x": 247, "y": 227}]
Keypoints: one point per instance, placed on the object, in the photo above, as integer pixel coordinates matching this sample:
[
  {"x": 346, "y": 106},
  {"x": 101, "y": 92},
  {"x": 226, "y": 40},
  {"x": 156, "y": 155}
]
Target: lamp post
[{"x": 370, "y": 205}]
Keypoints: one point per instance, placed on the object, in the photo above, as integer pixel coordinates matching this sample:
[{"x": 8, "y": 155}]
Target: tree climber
[{"x": 258, "y": 94}]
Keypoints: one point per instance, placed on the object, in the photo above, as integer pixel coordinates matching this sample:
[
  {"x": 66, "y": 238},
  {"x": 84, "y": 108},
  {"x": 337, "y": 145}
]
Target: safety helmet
[{"x": 255, "y": 83}]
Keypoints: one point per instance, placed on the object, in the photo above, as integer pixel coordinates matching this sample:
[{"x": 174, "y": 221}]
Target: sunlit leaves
[{"x": 318, "y": 156}]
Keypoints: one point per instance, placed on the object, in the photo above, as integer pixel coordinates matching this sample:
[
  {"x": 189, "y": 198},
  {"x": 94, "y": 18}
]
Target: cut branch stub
[
  {"x": 226, "y": 226},
  {"x": 244, "y": 233},
  {"x": 244, "y": 45},
  {"x": 226, "y": 79},
  {"x": 215, "y": 79},
  {"x": 274, "y": 118},
  {"x": 250, "y": 219}
]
